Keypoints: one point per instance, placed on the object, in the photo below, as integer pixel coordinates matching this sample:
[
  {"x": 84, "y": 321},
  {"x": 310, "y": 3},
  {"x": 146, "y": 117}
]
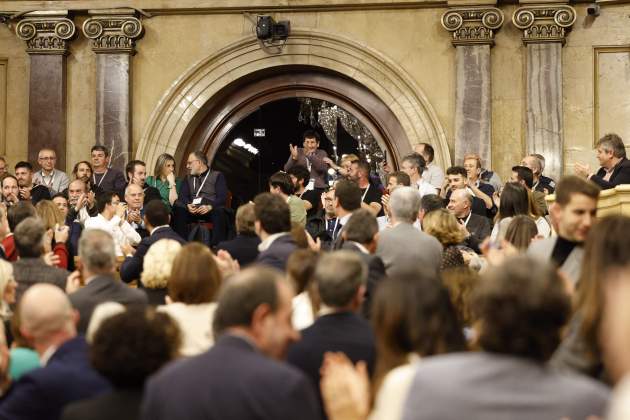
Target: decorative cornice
[
  {"x": 113, "y": 33},
  {"x": 473, "y": 25},
  {"x": 550, "y": 23},
  {"x": 46, "y": 33}
]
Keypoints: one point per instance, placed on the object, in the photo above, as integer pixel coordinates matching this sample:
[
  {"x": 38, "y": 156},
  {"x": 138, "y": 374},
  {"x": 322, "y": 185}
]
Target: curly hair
[
  {"x": 129, "y": 347},
  {"x": 443, "y": 226},
  {"x": 158, "y": 263},
  {"x": 522, "y": 306}
]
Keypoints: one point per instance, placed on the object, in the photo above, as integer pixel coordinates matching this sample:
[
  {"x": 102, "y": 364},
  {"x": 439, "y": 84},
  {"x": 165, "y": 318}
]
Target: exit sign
[{"x": 259, "y": 132}]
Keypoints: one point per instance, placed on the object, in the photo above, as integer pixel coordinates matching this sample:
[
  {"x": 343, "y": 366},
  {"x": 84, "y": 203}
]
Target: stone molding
[
  {"x": 473, "y": 25},
  {"x": 113, "y": 33},
  {"x": 549, "y": 23},
  {"x": 46, "y": 32}
]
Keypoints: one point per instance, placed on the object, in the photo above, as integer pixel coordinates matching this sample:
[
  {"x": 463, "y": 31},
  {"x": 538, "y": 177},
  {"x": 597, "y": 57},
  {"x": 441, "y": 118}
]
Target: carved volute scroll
[
  {"x": 473, "y": 25},
  {"x": 549, "y": 23},
  {"x": 113, "y": 33},
  {"x": 46, "y": 32}
]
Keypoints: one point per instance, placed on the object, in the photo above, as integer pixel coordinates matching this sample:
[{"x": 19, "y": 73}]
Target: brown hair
[
  {"x": 443, "y": 226},
  {"x": 298, "y": 233},
  {"x": 613, "y": 143},
  {"x": 607, "y": 247},
  {"x": 50, "y": 214},
  {"x": 245, "y": 219},
  {"x": 572, "y": 184},
  {"x": 301, "y": 271},
  {"x": 195, "y": 277},
  {"x": 160, "y": 163},
  {"x": 461, "y": 282},
  {"x": 520, "y": 232}
]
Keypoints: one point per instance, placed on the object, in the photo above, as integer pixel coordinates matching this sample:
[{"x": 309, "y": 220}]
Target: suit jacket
[
  {"x": 404, "y": 247},
  {"x": 620, "y": 175},
  {"x": 132, "y": 266},
  {"x": 39, "y": 193},
  {"x": 231, "y": 381},
  {"x": 119, "y": 404},
  {"x": 30, "y": 271},
  {"x": 278, "y": 252},
  {"x": 318, "y": 166},
  {"x": 344, "y": 332},
  {"x": 103, "y": 289},
  {"x": 376, "y": 273},
  {"x": 572, "y": 267},
  {"x": 42, "y": 393},
  {"x": 479, "y": 227},
  {"x": 487, "y": 386},
  {"x": 243, "y": 248}
]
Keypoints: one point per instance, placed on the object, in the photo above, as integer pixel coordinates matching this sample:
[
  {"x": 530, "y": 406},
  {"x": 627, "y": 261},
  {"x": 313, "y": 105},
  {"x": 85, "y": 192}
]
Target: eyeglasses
[{"x": 48, "y": 158}]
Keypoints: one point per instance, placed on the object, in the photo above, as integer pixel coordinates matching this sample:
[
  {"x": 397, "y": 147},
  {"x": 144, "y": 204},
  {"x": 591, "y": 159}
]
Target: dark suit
[
  {"x": 132, "y": 266},
  {"x": 278, "y": 252},
  {"x": 620, "y": 175},
  {"x": 42, "y": 393},
  {"x": 30, "y": 271},
  {"x": 231, "y": 381},
  {"x": 376, "y": 272},
  {"x": 39, "y": 193},
  {"x": 338, "y": 332},
  {"x": 243, "y": 248},
  {"x": 120, "y": 404},
  {"x": 103, "y": 289},
  {"x": 479, "y": 227}
]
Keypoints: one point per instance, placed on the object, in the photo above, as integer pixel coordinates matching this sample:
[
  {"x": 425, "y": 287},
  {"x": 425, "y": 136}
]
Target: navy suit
[
  {"x": 278, "y": 252},
  {"x": 344, "y": 332},
  {"x": 231, "y": 381},
  {"x": 132, "y": 266},
  {"x": 376, "y": 272},
  {"x": 120, "y": 404},
  {"x": 243, "y": 248},
  {"x": 42, "y": 393}
]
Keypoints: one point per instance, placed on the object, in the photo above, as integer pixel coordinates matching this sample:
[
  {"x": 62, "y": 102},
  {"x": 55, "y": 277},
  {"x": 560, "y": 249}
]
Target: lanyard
[
  {"x": 202, "y": 184},
  {"x": 52, "y": 178},
  {"x": 365, "y": 193},
  {"x": 101, "y": 181},
  {"x": 335, "y": 233}
]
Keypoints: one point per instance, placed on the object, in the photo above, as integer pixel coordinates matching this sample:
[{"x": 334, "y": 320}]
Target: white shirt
[
  {"x": 434, "y": 175},
  {"x": 302, "y": 316},
  {"x": 121, "y": 234},
  {"x": 425, "y": 188},
  {"x": 390, "y": 398},
  {"x": 264, "y": 245},
  {"x": 195, "y": 323}
]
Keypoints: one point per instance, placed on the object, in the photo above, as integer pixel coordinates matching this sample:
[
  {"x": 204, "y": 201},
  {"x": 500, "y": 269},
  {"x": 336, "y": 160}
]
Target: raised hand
[{"x": 294, "y": 152}]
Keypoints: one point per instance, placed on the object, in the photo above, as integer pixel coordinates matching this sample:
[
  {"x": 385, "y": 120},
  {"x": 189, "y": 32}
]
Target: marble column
[
  {"x": 47, "y": 35},
  {"x": 544, "y": 32},
  {"x": 473, "y": 31},
  {"x": 113, "y": 34}
]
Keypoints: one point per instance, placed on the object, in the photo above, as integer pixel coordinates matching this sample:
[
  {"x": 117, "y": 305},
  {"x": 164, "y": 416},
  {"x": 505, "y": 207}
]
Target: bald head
[
  {"x": 45, "y": 311},
  {"x": 460, "y": 203},
  {"x": 134, "y": 196}
]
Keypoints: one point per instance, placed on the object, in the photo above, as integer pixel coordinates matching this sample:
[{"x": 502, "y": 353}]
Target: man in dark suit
[
  {"x": 244, "y": 247},
  {"x": 321, "y": 225},
  {"x": 156, "y": 219},
  {"x": 136, "y": 171},
  {"x": 340, "y": 278},
  {"x": 456, "y": 179},
  {"x": 360, "y": 236},
  {"x": 98, "y": 260},
  {"x": 460, "y": 204},
  {"x": 273, "y": 226},
  {"x": 241, "y": 376},
  {"x": 347, "y": 200},
  {"x": 48, "y": 323},
  {"x": 615, "y": 168}
]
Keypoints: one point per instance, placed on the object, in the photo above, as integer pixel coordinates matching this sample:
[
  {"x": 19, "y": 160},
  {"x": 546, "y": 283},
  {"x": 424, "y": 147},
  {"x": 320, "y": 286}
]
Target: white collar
[
  {"x": 264, "y": 245},
  {"x": 48, "y": 354},
  {"x": 344, "y": 219},
  {"x": 360, "y": 246},
  {"x": 156, "y": 228}
]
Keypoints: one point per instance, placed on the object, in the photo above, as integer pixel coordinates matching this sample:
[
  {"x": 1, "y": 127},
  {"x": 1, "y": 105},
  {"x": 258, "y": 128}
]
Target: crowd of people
[{"x": 423, "y": 293}]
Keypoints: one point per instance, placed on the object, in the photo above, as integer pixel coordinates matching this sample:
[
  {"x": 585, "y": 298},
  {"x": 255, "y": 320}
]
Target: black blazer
[
  {"x": 243, "y": 248},
  {"x": 340, "y": 331},
  {"x": 103, "y": 289},
  {"x": 620, "y": 175},
  {"x": 479, "y": 227},
  {"x": 278, "y": 253},
  {"x": 120, "y": 404},
  {"x": 376, "y": 273},
  {"x": 39, "y": 193},
  {"x": 231, "y": 381},
  {"x": 132, "y": 266}
]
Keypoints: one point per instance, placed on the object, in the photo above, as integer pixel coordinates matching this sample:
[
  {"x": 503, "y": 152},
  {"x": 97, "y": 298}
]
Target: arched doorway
[{"x": 175, "y": 124}]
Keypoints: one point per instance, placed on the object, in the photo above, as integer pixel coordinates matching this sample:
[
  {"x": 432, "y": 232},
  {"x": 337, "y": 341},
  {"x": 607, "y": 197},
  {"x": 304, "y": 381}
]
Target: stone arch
[{"x": 181, "y": 109}]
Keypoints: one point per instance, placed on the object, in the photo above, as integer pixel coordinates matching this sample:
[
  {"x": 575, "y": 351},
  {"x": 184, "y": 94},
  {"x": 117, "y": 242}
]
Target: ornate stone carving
[
  {"x": 473, "y": 25},
  {"x": 540, "y": 24},
  {"x": 113, "y": 33},
  {"x": 46, "y": 33}
]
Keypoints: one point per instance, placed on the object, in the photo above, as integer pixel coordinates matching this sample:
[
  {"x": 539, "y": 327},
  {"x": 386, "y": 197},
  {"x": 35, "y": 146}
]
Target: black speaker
[{"x": 264, "y": 27}]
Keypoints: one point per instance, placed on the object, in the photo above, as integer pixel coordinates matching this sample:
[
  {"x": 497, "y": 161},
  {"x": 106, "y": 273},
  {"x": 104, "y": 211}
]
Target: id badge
[
  {"x": 311, "y": 185},
  {"x": 197, "y": 201}
]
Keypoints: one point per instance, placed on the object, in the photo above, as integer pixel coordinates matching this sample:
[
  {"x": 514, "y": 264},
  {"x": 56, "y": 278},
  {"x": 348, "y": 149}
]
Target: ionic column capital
[
  {"x": 113, "y": 31},
  {"x": 473, "y": 25},
  {"x": 544, "y": 23},
  {"x": 46, "y": 32}
]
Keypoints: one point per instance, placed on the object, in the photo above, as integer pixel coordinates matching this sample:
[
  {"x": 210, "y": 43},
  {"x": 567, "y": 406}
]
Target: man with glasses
[
  {"x": 55, "y": 180},
  {"x": 202, "y": 199}
]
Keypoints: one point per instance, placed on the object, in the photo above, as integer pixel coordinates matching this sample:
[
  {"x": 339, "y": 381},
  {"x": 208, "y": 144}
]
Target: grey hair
[
  {"x": 613, "y": 143},
  {"x": 338, "y": 276},
  {"x": 405, "y": 204},
  {"x": 467, "y": 195},
  {"x": 538, "y": 162},
  {"x": 97, "y": 250}
]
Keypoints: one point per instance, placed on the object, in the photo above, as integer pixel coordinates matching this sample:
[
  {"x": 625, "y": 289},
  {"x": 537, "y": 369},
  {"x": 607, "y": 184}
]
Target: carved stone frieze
[
  {"x": 473, "y": 25},
  {"x": 113, "y": 33},
  {"x": 549, "y": 23},
  {"x": 46, "y": 33}
]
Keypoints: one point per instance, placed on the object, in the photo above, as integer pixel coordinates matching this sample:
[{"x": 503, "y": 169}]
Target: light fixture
[{"x": 268, "y": 30}]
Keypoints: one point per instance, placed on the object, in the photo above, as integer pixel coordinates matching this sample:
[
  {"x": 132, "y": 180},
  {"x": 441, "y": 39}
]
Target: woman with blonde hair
[
  {"x": 57, "y": 233},
  {"x": 192, "y": 290},
  {"x": 164, "y": 179},
  {"x": 50, "y": 214},
  {"x": 158, "y": 263},
  {"x": 444, "y": 227},
  {"x": 7, "y": 290}
]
